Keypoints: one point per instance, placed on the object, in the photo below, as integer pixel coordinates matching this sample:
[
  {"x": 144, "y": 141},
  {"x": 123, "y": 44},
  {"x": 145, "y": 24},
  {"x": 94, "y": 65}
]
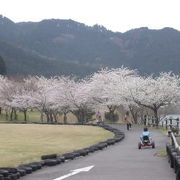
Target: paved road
[{"x": 123, "y": 161}]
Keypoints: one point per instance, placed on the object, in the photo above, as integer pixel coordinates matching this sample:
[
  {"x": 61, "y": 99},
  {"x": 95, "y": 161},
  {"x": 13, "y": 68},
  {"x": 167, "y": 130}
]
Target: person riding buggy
[
  {"x": 146, "y": 139},
  {"x": 99, "y": 119}
]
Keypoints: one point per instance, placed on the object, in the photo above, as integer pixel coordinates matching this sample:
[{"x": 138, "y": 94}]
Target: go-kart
[{"x": 145, "y": 142}]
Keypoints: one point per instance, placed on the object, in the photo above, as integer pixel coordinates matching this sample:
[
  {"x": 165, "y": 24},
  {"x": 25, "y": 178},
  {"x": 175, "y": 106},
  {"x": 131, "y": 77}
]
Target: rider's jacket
[{"x": 145, "y": 133}]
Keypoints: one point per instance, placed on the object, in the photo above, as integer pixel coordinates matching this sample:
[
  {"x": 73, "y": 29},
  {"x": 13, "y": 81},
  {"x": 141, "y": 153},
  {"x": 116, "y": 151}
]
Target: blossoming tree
[{"x": 155, "y": 92}]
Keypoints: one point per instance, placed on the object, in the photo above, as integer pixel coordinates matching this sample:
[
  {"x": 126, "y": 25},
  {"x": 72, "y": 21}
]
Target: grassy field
[
  {"x": 35, "y": 116},
  {"x": 32, "y": 116},
  {"x": 23, "y": 143}
]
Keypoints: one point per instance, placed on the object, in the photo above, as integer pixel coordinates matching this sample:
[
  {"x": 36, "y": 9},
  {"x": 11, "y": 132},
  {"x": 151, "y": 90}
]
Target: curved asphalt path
[{"x": 123, "y": 161}]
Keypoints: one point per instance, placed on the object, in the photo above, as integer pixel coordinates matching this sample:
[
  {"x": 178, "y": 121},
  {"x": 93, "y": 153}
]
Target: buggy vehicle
[{"x": 146, "y": 141}]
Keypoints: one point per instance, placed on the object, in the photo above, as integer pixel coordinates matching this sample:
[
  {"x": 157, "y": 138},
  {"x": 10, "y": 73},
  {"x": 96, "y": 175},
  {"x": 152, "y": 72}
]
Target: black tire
[
  {"x": 49, "y": 156},
  {"x": 69, "y": 156},
  {"x": 51, "y": 162},
  {"x": 10, "y": 170},
  {"x": 26, "y": 168},
  {"x": 4, "y": 172},
  {"x": 176, "y": 164},
  {"x": 13, "y": 176},
  {"x": 62, "y": 158},
  {"x": 172, "y": 159},
  {"x": 1, "y": 177},
  {"x": 178, "y": 175},
  {"x": 22, "y": 172},
  {"x": 7, "y": 178}
]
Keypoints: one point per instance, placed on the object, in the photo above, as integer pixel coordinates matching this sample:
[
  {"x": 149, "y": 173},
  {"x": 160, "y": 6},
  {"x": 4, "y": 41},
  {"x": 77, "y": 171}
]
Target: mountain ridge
[{"x": 87, "y": 48}]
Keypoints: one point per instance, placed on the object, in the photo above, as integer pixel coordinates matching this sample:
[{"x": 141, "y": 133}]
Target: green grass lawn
[
  {"x": 23, "y": 143},
  {"x": 32, "y": 116},
  {"x": 35, "y": 116}
]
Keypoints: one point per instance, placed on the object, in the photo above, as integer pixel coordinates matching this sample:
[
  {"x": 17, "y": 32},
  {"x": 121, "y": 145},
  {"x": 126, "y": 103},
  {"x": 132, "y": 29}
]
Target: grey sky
[{"x": 116, "y": 15}]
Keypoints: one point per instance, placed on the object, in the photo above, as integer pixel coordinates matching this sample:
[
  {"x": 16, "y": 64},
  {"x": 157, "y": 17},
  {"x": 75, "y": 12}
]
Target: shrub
[{"x": 113, "y": 117}]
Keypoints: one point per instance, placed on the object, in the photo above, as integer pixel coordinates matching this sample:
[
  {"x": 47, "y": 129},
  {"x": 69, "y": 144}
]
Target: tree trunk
[
  {"x": 15, "y": 114},
  {"x": 111, "y": 113},
  {"x": 42, "y": 116},
  {"x": 51, "y": 117},
  {"x": 7, "y": 116},
  {"x": 65, "y": 118},
  {"x": 0, "y": 110},
  {"x": 155, "y": 110},
  {"x": 134, "y": 113},
  {"x": 83, "y": 118},
  {"x": 25, "y": 115},
  {"x": 47, "y": 116},
  {"x": 79, "y": 115},
  {"x": 11, "y": 114},
  {"x": 55, "y": 117}
]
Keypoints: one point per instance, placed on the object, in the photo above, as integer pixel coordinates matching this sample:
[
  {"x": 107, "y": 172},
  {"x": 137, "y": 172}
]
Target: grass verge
[
  {"x": 23, "y": 143},
  {"x": 161, "y": 153}
]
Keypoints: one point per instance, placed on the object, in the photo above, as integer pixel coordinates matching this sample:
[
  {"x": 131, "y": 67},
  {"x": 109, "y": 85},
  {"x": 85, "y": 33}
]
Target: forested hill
[
  {"x": 54, "y": 47},
  {"x": 2, "y": 67}
]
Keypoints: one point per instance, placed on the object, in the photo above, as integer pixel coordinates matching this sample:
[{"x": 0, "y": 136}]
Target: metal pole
[{"x": 177, "y": 126}]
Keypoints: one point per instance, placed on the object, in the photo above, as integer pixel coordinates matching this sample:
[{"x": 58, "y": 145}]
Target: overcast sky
[{"x": 116, "y": 15}]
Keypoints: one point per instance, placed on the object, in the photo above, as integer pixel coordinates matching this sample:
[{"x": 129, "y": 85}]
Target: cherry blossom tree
[
  {"x": 23, "y": 99},
  {"x": 62, "y": 100},
  {"x": 155, "y": 92},
  {"x": 4, "y": 85},
  {"x": 81, "y": 100},
  {"x": 8, "y": 89},
  {"x": 110, "y": 87},
  {"x": 44, "y": 97},
  {"x": 107, "y": 87}
]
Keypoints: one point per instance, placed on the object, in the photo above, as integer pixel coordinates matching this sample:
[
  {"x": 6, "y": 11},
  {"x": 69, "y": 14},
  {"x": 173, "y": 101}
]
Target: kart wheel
[
  {"x": 153, "y": 145},
  {"x": 139, "y": 146}
]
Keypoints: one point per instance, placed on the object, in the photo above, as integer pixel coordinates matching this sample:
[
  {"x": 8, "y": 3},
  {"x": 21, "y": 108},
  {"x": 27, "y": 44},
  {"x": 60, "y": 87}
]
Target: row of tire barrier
[
  {"x": 10, "y": 173},
  {"x": 173, "y": 152}
]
